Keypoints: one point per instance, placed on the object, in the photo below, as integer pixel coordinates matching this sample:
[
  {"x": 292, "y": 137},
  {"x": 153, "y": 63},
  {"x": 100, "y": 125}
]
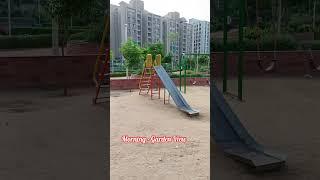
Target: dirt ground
[
  {"x": 46, "y": 136},
  {"x": 282, "y": 114},
  {"x": 135, "y": 115}
]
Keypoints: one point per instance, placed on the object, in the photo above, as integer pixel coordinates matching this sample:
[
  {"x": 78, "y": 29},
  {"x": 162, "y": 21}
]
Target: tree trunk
[
  {"x": 279, "y": 17},
  {"x": 62, "y": 50},
  {"x": 258, "y": 29},
  {"x": 127, "y": 72},
  {"x": 314, "y": 15},
  {"x": 197, "y": 64},
  {"x": 55, "y": 38},
  {"x": 274, "y": 10},
  {"x": 9, "y": 17}
]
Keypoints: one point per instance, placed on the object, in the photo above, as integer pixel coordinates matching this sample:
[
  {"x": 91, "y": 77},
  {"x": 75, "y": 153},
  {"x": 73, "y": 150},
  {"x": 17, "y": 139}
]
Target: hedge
[
  {"x": 40, "y": 30},
  {"x": 123, "y": 74},
  {"x": 118, "y": 74},
  {"x": 284, "y": 42},
  {"x": 189, "y": 75},
  {"x": 25, "y": 41}
]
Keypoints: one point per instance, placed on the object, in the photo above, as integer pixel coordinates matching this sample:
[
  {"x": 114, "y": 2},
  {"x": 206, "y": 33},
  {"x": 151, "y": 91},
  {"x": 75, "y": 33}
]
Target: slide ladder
[
  {"x": 149, "y": 81},
  {"x": 101, "y": 71},
  {"x": 103, "y": 80}
]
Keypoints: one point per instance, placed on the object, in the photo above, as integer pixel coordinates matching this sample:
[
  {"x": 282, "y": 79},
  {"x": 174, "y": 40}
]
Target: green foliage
[
  {"x": 167, "y": 66},
  {"x": 204, "y": 59},
  {"x": 62, "y": 10},
  {"x": 217, "y": 24},
  {"x": 22, "y": 41},
  {"x": 118, "y": 74},
  {"x": 111, "y": 54},
  {"x": 132, "y": 53},
  {"x": 154, "y": 49},
  {"x": 254, "y": 32},
  {"x": 96, "y": 18},
  {"x": 167, "y": 58},
  {"x": 96, "y": 26},
  {"x": 315, "y": 45},
  {"x": 299, "y": 23},
  {"x": 79, "y": 36},
  {"x": 284, "y": 42},
  {"x": 190, "y": 75},
  {"x": 173, "y": 36},
  {"x": 40, "y": 30}
]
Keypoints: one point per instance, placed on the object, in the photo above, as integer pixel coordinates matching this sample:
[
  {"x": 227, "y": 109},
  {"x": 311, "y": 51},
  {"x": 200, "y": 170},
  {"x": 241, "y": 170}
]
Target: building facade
[
  {"x": 171, "y": 29},
  {"x": 185, "y": 37},
  {"x": 115, "y": 30},
  {"x": 152, "y": 28},
  {"x": 200, "y": 36}
]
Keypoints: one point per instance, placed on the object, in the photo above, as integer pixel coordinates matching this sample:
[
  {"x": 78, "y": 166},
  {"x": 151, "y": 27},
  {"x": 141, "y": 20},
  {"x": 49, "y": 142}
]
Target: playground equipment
[
  {"x": 149, "y": 81},
  {"x": 234, "y": 139},
  {"x": 240, "y": 44},
  {"x": 153, "y": 74},
  {"x": 226, "y": 128},
  {"x": 183, "y": 66},
  {"x": 304, "y": 43},
  {"x": 101, "y": 69}
]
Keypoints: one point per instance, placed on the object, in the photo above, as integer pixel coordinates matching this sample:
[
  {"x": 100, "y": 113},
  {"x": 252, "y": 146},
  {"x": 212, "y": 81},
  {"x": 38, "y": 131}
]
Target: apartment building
[
  {"x": 115, "y": 30},
  {"x": 200, "y": 37},
  {"x": 152, "y": 28},
  {"x": 185, "y": 37},
  {"x": 131, "y": 20},
  {"x": 171, "y": 30}
]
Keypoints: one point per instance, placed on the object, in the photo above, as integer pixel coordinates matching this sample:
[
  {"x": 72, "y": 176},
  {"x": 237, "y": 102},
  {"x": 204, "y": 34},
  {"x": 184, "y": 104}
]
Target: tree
[
  {"x": 203, "y": 59},
  {"x": 155, "y": 49},
  {"x": 61, "y": 12},
  {"x": 173, "y": 39},
  {"x": 111, "y": 55},
  {"x": 314, "y": 15},
  {"x": 132, "y": 54},
  {"x": 167, "y": 58},
  {"x": 96, "y": 17}
]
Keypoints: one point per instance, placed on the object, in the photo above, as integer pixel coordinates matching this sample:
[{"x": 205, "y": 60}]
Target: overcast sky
[{"x": 198, "y": 9}]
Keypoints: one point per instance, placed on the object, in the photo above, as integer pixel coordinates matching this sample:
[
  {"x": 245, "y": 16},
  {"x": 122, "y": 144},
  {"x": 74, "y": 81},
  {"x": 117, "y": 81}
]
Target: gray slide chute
[
  {"x": 174, "y": 92},
  {"x": 232, "y": 137}
]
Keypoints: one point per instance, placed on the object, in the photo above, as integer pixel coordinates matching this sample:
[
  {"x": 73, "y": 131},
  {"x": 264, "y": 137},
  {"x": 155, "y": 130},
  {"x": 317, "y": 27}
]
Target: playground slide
[
  {"x": 232, "y": 137},
  {"x": 174, "y": 92}
]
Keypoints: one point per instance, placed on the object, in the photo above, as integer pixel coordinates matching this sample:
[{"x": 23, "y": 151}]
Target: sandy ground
[
  {"x": 135, "y": 115},
  {"x": 282, "y": 114},
  {"x": 45, "y": 136}
]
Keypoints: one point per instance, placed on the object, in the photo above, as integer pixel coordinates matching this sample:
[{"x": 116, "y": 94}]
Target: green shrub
[
  {"x": 118, "y": 74},
  {"x": 284, "y": 42},
  {"x": 25, "y": 41},
  {"x": 204, "y": 69},
  {"x": 317, "y": 35},
  {"x": 315, "y": 45},
  {"x": 79, "y": 36},
  {"x": 31, "y": 31},
  {"x": 189, "y": 76},
  {"x": 40, "y": 31}
]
